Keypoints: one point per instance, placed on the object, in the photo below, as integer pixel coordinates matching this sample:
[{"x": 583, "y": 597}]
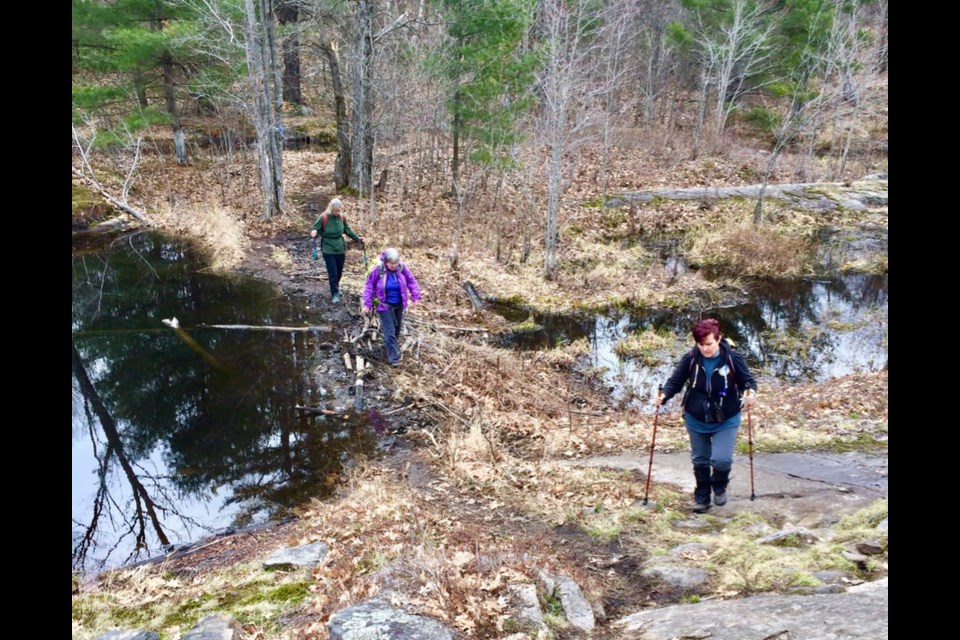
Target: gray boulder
[
  {"x": 377, "y": 620},
  {"x": 686, "y": 578},
  {"x": 216, "y": 626},
  {"x": 308, "y": 555}
]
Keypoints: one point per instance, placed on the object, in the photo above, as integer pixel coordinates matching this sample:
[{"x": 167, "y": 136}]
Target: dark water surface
[
  {"x": 793, "y": 330},
  {"x": 179, "y": 433}
]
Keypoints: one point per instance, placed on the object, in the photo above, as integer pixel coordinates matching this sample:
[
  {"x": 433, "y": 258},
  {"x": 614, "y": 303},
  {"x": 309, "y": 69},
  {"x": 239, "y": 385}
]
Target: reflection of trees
[
  {"x": 232, "y": 426},
  {"x": 144, "y": 506}
]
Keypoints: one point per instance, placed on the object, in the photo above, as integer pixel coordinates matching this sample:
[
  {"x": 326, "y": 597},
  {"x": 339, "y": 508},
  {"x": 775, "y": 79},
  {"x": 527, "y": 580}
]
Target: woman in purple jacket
[{"x": 393, "y": 285}]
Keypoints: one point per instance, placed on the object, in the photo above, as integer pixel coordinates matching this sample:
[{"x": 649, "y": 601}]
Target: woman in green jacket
[{"x": 331, "y": 225}]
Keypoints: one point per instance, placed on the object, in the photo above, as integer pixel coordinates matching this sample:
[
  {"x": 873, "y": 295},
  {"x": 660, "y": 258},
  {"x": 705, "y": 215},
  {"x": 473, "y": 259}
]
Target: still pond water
[{"x": 179, "y": 433}]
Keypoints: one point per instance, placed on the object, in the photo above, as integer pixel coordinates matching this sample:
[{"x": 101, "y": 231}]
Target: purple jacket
[{"x": 376, "y": 286}]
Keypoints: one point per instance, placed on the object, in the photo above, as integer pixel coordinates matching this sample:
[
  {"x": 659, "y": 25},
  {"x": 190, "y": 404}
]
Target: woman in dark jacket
[{"x": 719, "y": 384}]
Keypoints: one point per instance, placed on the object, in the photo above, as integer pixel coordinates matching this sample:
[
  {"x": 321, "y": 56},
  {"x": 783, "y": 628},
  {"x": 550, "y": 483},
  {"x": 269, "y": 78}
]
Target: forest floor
[{"x": 488, "y": 491}]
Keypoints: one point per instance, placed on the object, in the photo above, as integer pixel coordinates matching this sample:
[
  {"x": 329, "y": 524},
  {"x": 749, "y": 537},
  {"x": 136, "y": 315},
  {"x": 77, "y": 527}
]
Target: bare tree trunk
[
  {"x": 499, "y": 222},
  {"x": 457, "y": 123},
  {"x": 341, "y": 166},
  {"x": 554, "y": 185},
  {"x": 140, "y": 88},
  {"x": 882, "y": 50},
  {"x": 179, "y": 140},
  {"x": 263, "y": 70},
  {"x": 653, "y": 61},
  {"x": 288, "y": 14},
  {"x": 768, "y": 170},
  {"x": 701, "y": 113},
  {"x": 361, "y": 163}
]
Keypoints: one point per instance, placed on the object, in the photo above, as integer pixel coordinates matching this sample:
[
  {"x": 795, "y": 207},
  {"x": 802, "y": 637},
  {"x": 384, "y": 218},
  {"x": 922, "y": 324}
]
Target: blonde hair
[{"x": 336, "y": 203}]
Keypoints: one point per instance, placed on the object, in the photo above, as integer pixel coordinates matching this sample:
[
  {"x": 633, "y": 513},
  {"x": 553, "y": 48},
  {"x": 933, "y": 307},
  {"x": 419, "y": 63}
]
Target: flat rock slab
[
  {"x": 373, "y": 620},
  {"x": 803, "y": 488},
  {"x": 117, "y": 634},
  {"x": 855, "y": 615},
  {"x": 308, "y": 555},
  {"x": 685, "y": 578}
]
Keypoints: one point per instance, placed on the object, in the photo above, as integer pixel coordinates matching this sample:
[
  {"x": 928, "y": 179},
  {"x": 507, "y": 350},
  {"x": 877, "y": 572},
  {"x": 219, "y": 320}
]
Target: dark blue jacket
[{"x": 727, "y": 384}]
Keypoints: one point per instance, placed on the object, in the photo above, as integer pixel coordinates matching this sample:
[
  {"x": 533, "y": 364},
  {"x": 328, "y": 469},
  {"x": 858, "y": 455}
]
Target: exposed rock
[
  {"x": 696, "y": 524},
  {"x": 686, "y": 578},
  {"x": 829, "y": 576},
  {"x": 851, "y": 616},
  {"x": 829, "y": 588},
  {"x": 376, "y": 620},
  {"x": 808, "y": 196},
  {"x": 576, "y": 607},
  {"x": 853, "y": 556},
  {"x": 216, "y": 626},
  {"x": 117, "y": 634},
  {"x": 790, "y": 537},
  {"x": 883, "y": 525},
  {"x": 759, "y": 529},
  {"x": 689, "y": 549},
  {"x": 308, "y": 555},
  {"x": 528, "y": 604},
  {"x": 869, "y": 547},
  {"x": 870, "y": 587}
]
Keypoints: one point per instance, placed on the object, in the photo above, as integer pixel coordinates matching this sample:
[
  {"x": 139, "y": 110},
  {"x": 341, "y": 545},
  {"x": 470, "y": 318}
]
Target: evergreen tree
[{"x": 125, "y": 57}]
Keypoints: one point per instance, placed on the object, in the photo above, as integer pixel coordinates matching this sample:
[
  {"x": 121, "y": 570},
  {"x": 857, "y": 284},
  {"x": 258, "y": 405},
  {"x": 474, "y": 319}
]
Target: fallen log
[
  {"x": 90, "y": 182},
  {"x": 263, "y": 327}
]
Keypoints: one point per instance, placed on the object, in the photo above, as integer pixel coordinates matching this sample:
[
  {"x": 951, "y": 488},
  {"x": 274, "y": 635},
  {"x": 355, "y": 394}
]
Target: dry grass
[
  {"x": 643, "y": 344},
  {"x": 739, "y": 248},
  {"x": 220, "y": 230}
]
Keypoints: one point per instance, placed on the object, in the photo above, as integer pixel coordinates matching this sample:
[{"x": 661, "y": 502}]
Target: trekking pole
[
  {"x": 652, "y": 441},
  {"x": 753, "y": 495}
]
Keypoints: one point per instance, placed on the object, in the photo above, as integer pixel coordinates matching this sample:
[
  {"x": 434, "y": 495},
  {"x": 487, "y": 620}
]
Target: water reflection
[
  {"x": 794, "y": 330},
  {"x": 176, "y": 433}
]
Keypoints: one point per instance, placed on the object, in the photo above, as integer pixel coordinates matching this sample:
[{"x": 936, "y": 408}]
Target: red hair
[{"x": 704, "y": 328}]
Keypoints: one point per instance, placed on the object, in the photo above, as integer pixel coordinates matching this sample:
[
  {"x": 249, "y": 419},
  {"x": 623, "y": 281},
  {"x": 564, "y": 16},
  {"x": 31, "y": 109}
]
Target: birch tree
[
  {"x": 811, "y": 89},
  {"x": 734, "y": 42},
  {"x": 569, "y": 96},
  {"x": 263, "y": 69}
]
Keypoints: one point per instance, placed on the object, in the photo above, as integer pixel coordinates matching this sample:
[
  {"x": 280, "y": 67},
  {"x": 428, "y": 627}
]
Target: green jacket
[{"x": 331, "y": 238}]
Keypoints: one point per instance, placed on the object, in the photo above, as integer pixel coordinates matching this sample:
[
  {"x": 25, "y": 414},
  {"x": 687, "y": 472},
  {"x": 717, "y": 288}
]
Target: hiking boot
[
  {"x": 335, "y": 298},
  {"x": 701, "y": 494},
  {"x": 719, "y": 482},
  {"x": 395, "y": 363},
  {"x": 700, "y": 507}
]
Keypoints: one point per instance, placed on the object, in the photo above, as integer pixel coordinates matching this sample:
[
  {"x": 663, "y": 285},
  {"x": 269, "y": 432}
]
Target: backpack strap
[{"x": 323, "y": 220}]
